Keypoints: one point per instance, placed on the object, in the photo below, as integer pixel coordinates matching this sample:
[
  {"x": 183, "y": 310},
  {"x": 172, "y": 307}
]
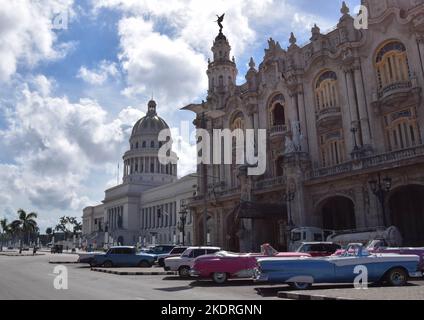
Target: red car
[{"x": 227, "y": 265}]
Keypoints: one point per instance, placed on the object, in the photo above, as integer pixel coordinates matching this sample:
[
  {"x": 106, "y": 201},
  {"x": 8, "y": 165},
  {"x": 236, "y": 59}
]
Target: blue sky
[{"x": 68, "y": 98}]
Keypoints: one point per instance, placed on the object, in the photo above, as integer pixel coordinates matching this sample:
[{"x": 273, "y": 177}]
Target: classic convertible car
[
  {"x": 381, "y": 246},
  {"x": 301, "y": 273},
  {"x": 224, "y": 265}
]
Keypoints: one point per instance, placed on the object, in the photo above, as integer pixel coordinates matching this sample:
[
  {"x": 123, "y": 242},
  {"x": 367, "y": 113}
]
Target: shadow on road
[{"x": 175, "y": 289}]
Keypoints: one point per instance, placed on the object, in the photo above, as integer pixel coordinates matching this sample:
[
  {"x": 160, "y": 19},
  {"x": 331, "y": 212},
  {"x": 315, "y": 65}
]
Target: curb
[
  {"x": 299, "y": 296},
  {"x": 21, "y": 255},
  {"x": 140, "y": 273}
]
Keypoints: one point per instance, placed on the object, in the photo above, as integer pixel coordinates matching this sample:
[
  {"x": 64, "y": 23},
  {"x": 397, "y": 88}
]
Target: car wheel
[
  {"x": 92, "y": 264},
  {"x": 161, "y": 262},
  {"x": 108, "y": 264},
  {"x": 300, "y": 285},
  {"x": 219, "y": 277},
  {"x": 184, "y": 272},
  {"x": 397, "y": 277},
  {"x": 144, "y": 264}
]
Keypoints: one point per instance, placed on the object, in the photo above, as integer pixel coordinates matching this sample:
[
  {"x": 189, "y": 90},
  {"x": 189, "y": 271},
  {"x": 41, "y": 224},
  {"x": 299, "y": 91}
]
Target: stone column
[
  {"x": 303, "y": 124},
  {"x": 352, "y": 105},
  {"x": 362, "y": 106}
]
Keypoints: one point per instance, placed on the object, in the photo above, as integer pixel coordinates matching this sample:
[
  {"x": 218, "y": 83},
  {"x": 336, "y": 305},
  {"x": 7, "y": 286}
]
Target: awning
[{"x": 257, "y": 210}]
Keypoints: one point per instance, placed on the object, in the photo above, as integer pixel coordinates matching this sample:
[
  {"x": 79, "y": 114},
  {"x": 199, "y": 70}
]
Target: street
[
  {"x": 28, "y": 278},
  {"x": 32, "y": 278}
]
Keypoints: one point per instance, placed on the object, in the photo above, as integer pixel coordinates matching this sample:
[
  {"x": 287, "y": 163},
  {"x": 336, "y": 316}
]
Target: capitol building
[
  {"x": 344, "y": 118},
  {"x": 146, "y": 208}
]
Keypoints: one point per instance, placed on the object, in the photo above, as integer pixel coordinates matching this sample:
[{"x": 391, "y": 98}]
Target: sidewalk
[{"x": 135, "y": 271}]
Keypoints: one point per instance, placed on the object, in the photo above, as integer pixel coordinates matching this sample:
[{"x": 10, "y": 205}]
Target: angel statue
[{"x": 220, "y": 21}]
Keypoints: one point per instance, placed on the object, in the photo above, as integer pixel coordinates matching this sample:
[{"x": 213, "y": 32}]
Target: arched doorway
[
  {"x": 338, "y": 213},
  {"x": 406, "y": 207}
]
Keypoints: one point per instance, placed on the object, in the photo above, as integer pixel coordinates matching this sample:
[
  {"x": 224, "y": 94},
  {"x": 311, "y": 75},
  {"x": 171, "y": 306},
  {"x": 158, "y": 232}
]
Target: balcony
[
  {"x": 397, "y": 95},
  {"x": 329, "y": 117},
  {"x": 270, "y": 183},
  {"x": 390, "y": 158},
  {"x": 278, "y": 130}
]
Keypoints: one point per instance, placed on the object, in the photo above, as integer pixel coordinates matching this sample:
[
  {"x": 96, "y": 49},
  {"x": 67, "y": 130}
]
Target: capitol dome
[
  {"x": 142, "y": 164},
  {"x": 150, "y": 124}
]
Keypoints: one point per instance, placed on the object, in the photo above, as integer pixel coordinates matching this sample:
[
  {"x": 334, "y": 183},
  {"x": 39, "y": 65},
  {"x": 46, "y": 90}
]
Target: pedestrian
[{"x": 34, "y": 251}]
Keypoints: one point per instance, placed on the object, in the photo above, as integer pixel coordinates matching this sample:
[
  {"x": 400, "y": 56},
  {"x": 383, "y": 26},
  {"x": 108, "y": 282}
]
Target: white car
[{"x": 184, "y": 263}]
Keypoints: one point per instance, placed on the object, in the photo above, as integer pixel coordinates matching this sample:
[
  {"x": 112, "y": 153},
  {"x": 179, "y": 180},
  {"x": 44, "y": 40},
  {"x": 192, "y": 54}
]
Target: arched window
[
  {"x": 278, "y": 115},
  {"x": 332, "y": 148},
  {"x": 238, "y": 145},
  {"x": 326, "y": 91},
  {"x": 136, "y": 145},
  {"x": 152, "y": 144},
  {"x": 144, "y": 144},
  {"x": 392, "y": 64},
  {"x": 402, "y": 129}
]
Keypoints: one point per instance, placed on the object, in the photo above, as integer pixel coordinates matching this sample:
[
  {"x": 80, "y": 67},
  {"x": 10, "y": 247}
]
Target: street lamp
[
  {"x": 182, "y": 222},
  {"x": 381, "y": 188}
]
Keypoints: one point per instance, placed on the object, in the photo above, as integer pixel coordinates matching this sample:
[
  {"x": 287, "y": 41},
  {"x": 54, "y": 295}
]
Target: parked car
[
  {"x": 123, "y": 257},
  {"x": 183, "y": 263},
  {"x": 224, "y": 265},
  {"x": 159, "y": 250},
  {"x": 381, "y": 246},
  {"x": 175, "y": 252},
  {"x": 319, "y": 249},
  {"x": 57, "y": 248},
  {"x": 87, "y": 257},
  {"x": 301, "y": 273}
]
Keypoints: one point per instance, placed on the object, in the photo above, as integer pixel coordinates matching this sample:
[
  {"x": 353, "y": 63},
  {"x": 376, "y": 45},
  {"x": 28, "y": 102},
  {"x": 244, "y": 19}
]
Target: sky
[{"x": 75, "y": 75}]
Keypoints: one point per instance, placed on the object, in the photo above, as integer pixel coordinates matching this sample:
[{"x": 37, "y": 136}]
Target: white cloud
[
  {"x": 165, "y": 43},
  {"x": 26, "y": 33},
  {"x": 56, "y": 144},
  {"x": 99, "y": 75}
]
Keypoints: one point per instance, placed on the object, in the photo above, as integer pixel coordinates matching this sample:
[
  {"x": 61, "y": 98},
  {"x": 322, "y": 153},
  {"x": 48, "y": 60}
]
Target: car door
[{"x": 128, "y": 257}]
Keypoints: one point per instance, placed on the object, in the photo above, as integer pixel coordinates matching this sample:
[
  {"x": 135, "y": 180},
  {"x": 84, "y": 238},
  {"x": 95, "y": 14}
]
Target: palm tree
[
  {"x": 49, "y": 232},
  {"x": 5, "y": 230},
  {"x": 25, "y": 225}
]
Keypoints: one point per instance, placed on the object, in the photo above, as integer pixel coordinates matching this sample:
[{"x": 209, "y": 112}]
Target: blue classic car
[
  {"x": 301, "y": 273},
  {"x": 123, "y": 257}
]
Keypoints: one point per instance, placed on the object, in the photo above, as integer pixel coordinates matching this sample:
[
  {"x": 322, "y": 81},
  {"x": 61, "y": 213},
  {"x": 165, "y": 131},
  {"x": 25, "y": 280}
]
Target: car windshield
[{"x": 227, "y": 254}]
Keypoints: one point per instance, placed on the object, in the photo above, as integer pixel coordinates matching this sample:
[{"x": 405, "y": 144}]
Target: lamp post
[
  {"x": 380, "y": 188},
  {"x": 354, "y": 131},
  {"x": 182, "y": 222}
]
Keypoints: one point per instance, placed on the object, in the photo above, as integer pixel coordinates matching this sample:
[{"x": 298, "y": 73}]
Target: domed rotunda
[{"x": 141, "y": 162}]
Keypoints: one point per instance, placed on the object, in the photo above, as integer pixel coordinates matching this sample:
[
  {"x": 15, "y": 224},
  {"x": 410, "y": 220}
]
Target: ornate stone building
[
  {"x": 338, "y": 112},
  {"x": 146, "y": 207}
]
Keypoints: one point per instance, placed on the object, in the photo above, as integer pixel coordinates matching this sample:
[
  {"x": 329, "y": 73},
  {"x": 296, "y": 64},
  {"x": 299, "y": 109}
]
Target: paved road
[{"x": 32, "y": 278}]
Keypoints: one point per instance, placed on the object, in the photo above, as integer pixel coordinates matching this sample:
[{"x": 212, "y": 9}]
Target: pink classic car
[{"x": 224, "y": 265}]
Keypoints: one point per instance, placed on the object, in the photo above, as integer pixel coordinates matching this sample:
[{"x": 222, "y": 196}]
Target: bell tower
[{"x": 222, "y": 71}]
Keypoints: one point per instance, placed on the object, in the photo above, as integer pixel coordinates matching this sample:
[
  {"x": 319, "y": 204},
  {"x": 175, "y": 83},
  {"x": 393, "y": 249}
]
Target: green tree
[
  {"x": 49, "y": 232},
  {"x": 5, "y": 231},
  {"x": 25, "y": 225}
]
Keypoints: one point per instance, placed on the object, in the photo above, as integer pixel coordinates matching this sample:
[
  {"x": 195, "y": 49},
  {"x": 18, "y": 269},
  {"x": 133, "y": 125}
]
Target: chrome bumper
[
  {"x": 416, "y": 274},
  {"x": 258, "y": 276},
  {"x": 194, "y": 273}
]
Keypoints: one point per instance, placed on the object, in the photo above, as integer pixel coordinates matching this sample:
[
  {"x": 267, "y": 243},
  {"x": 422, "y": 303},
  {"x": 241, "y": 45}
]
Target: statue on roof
[{"x": 220, "y": 21}]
